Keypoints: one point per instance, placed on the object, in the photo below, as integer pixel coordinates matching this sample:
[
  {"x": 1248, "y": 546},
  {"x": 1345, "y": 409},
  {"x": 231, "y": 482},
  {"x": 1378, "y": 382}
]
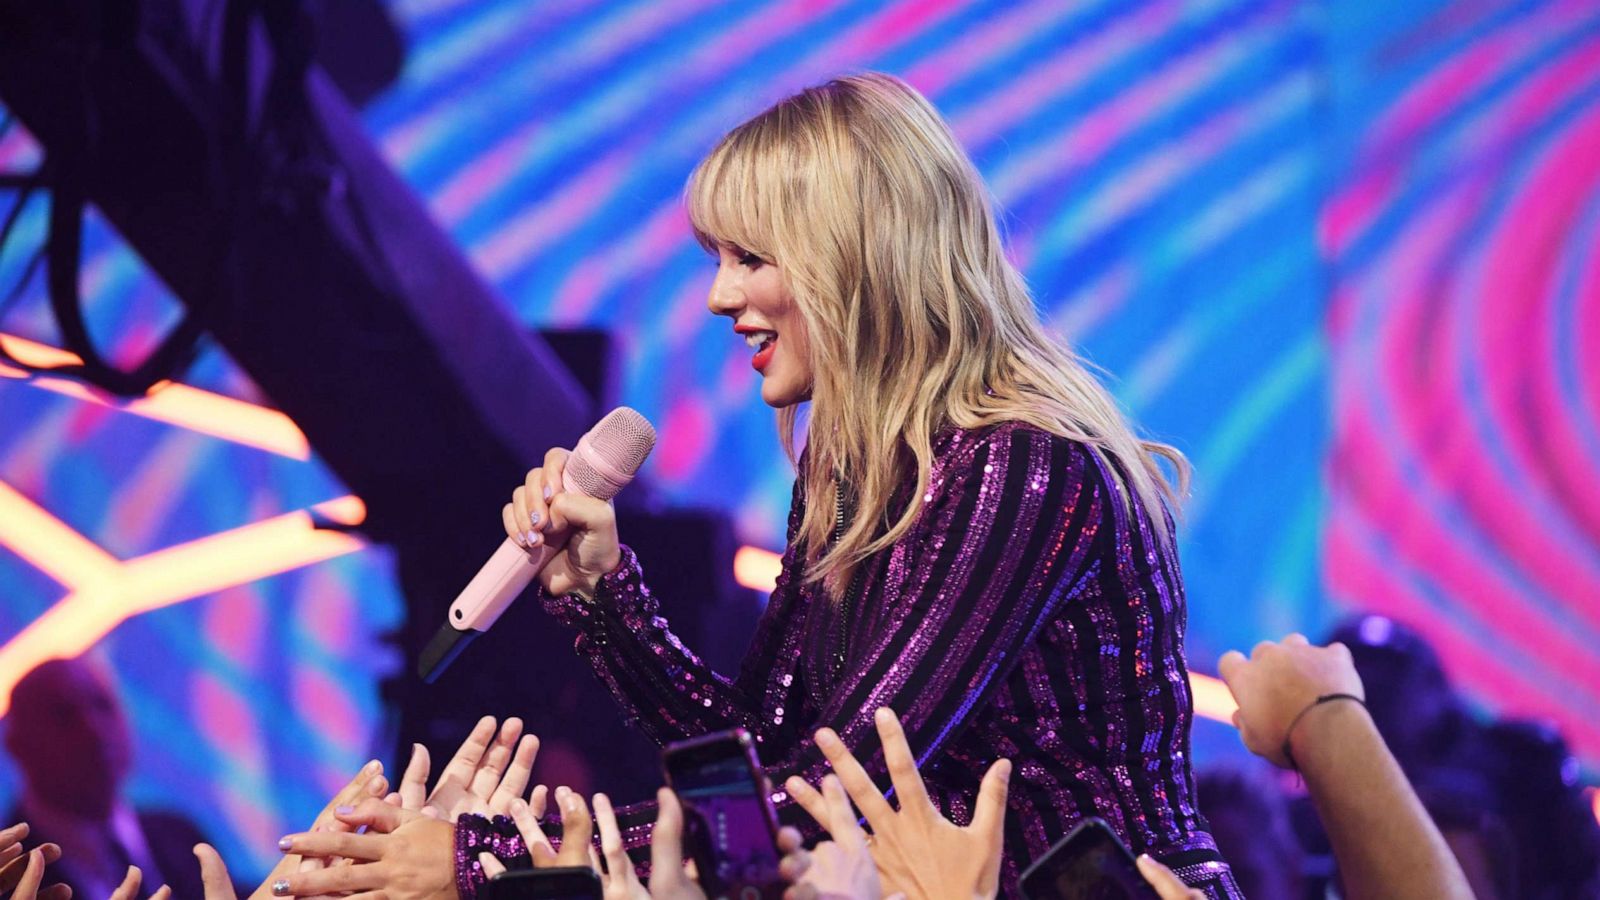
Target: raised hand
[
  {"x": 485, "y": 776},
  {"x": 369, "y": 782},
  {"x": 1279, "y": 683},
  {"x": 842, "y": 868},
  {"x": 918, "y": 851}
]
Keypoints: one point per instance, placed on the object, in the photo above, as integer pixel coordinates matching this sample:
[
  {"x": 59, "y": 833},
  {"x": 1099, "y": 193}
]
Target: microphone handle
[{"x": 501, "y": 580}]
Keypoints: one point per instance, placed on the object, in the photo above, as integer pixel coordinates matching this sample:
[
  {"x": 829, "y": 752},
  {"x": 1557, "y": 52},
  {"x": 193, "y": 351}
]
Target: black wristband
[{"x": 1325, "y": 698}]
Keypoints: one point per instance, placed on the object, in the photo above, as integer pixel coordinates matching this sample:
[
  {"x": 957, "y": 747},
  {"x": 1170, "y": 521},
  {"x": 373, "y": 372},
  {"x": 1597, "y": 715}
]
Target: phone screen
[
  {"x": 561, "y": 883},
  {"x": 719, "y": 777},
  {"x": 1090, "y": 863}
]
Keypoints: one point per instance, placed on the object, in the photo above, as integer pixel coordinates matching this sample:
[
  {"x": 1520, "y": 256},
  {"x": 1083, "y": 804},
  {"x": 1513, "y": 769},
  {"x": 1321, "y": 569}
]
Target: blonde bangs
[{"x": 728, "y": 196}]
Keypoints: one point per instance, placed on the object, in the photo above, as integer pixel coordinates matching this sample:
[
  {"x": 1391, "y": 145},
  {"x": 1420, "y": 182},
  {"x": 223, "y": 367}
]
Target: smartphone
[
  {"x": 1090, "y": 863},
  {"x": 560, "y": 883},
  {"x": 719, "y": 778}
]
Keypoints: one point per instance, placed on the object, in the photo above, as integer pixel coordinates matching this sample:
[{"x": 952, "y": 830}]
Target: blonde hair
[{"x": 882, "y": 230}]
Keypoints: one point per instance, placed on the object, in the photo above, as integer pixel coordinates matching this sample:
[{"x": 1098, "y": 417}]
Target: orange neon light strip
[
  {"x": 49, "y": 545},
  {"x": 176, "y": 404},
  {"x": 758, "y": 569},
  {"x": 105, "y": 592}
]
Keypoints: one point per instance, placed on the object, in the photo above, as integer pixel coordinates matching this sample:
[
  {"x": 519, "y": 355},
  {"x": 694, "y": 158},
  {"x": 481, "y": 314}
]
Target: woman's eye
[{"x": 750, "y": 260}]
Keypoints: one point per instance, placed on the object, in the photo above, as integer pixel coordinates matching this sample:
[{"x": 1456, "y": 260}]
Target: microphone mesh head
[{"x": 608, "y": 457}]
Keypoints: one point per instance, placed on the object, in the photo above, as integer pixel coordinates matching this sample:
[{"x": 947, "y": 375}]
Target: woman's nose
[{"x": 724, "y": 298}]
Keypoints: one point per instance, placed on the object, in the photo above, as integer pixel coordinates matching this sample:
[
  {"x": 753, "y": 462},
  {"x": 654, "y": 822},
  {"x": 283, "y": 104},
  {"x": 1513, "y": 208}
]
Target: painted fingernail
[
  {"x": 280, "y": 888},
  {"x": 344, "y": 810},
  {"x": 371, "y": 766},
  {"x": 285, "y": 843},
  {"x": 535, "y": 538},
  {"x": 548, "y": 491},
  {"x": 534, "y": 518}
]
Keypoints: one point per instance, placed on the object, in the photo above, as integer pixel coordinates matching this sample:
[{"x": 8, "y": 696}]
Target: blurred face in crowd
[{"x": 67, "y": 733}]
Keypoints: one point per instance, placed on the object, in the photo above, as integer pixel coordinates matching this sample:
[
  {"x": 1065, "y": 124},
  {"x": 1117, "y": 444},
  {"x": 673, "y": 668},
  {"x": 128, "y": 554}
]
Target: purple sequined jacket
[{"x": 1026, "y": 614}]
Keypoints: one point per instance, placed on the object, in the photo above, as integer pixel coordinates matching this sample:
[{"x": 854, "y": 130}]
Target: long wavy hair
[{"x": 883, "y": 231}]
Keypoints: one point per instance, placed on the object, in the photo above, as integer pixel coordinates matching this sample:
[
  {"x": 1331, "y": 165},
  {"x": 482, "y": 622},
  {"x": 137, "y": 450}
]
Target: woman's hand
[
  {"x": 541, "y": 511},
  {"x": 919, "y": 852},
  {"x": 414, "y": 859},
  {"x": 483, "y": 777},
  {"x": 369, "y": 782}
]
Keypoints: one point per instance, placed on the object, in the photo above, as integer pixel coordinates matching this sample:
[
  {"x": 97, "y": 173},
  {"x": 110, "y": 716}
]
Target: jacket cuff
[{"x": 498, "y": 837}]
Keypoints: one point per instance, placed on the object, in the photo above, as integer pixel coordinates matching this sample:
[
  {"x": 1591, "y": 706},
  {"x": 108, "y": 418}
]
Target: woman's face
[{"x": 751, "y": 292}]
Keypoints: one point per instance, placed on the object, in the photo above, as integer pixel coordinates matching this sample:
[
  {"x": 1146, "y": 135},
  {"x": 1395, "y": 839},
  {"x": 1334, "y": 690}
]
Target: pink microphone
[{"x": 602, "y": 464}]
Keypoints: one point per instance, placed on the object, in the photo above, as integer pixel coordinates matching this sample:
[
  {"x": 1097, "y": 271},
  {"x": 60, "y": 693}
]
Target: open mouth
[{"x": 763, "y": 343}]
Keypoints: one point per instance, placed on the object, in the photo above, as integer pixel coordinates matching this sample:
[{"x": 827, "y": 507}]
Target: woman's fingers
[
  {"x": 32, "y": 874},
  {"x": 532, "y": 505},
  {"x": 842, "y": 823},
  {"x": 515, "y": 779},
  {"x": 527, "y": 822},
  {"x": 815, "y": 805},
  {"x": 414, "y": 781},
  {"x": 330, "y": 843},
  {"x": 162, "y": 893},
  {"x": 351, "y": 793},
  {"x": 332, "y": 880},
  {"x": 457, "y": 774},
  {"x": 508, "y": 521},
  {"x": 555, "y": 466},
  {"x": 12, "y": 835},
  {"x": 487, "y": 777},
  {"x": 618, "y": 865},
  {"x": 856, "y": 780},
  {"x": 908, "y": 786},
  {"x": 577, "y": 828},
  {"x": 989, "y": 813},
  {"x": 374, "y": 816},
  {"x": 523, "y": 512},
  {"x": 538, "y": 800}
]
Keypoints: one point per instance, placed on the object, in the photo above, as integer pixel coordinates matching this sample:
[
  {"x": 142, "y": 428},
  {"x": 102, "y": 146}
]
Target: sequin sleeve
[
  {"x": 663, "y": 686},
  {"x": 1006, "y": 529}
]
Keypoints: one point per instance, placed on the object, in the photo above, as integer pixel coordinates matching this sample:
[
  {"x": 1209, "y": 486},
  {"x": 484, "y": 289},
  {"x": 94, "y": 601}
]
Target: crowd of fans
[{"x": 1405, "y": 796}]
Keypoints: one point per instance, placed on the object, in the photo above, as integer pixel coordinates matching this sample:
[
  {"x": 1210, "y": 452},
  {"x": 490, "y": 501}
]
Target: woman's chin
[{"x": 778, "y": 395}]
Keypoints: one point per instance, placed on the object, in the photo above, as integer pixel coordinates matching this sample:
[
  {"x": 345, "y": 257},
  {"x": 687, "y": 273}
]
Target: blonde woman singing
[{"x": 978, "y": 538}]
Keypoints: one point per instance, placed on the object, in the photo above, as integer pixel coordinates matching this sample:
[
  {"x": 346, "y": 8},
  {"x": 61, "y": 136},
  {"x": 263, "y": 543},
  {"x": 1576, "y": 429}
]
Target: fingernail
[
  {"x": 344, "y": 810},
  {"x": 534, "y": 518},
  {"x": 371, "y": 766},
  {"x": 1005, "y": 772},
  {"x": 548, "y": 491},
  {"x": 285, "y": 843},
  {"x": 280, "y": 887},
  {"x": 535, "y": 539},
  {"x": 376, "y": 786}
]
